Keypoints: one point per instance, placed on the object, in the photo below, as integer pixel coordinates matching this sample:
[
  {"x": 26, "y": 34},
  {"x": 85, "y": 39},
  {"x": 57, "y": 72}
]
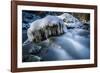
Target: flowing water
[{"x": 70, "y": 46}]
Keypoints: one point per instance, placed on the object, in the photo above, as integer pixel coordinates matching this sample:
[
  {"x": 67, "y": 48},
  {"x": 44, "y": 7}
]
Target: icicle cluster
[{"x": 48, "y": 31}]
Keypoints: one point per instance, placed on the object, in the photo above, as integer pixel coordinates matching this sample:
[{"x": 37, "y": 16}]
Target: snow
[
  {"x": 48, "y": 20},
  {"x": 70, "y": 20},
  {"x": 42, "y": 23}
]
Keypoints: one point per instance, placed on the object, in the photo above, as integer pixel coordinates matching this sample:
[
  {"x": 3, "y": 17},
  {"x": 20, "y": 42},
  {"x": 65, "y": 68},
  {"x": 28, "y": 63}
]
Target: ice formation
[
  {"x": 46, "y": 27},
  {"x": 70, "y": 20}
]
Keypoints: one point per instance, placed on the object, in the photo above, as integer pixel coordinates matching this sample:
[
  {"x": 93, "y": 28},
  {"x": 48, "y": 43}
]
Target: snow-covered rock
[
  {"x": 47, "y": 26},
  {"x": 70, "y": 20}
]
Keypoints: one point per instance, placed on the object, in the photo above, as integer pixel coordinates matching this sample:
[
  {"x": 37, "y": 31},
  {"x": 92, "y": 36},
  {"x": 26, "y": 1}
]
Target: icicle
[
  {"x": 40, "y": 35},
  {"x": 58, "y": 28},
  {"x": 54, "y": 29},
  {"x": 46, "y": 34},
  {"x": 37, "y": 36}
]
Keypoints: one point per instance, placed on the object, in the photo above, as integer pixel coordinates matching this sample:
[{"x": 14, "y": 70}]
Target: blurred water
[{"x": 66, "y": 47}]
